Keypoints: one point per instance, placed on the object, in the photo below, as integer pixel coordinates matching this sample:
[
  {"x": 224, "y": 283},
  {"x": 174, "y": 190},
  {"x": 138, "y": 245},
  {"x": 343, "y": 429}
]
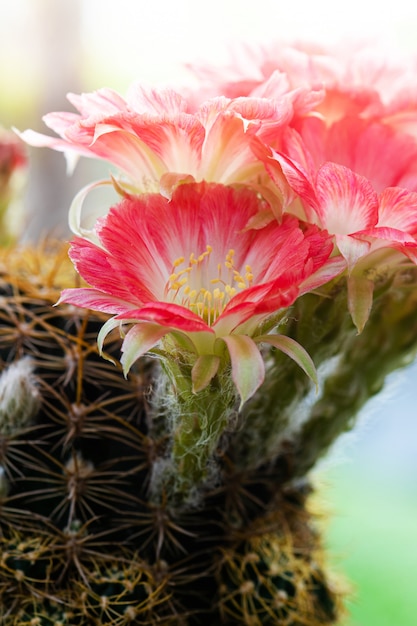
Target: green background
[{"x": 368, "y": 491}]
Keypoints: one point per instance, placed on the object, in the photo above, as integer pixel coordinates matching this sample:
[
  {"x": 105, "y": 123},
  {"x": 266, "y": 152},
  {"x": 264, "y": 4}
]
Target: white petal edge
[{"x": 75, "y": 210}]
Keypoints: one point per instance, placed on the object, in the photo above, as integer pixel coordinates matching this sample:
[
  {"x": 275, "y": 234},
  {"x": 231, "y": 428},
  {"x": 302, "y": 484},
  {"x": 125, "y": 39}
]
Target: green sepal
[
  {"x": 294, "y": 350},
  {"x": 204, "y": 369},
  {"x": 140, "y": 339},
  {"x": 360, "y": 298},
  {"x": 248, "y": 369}
]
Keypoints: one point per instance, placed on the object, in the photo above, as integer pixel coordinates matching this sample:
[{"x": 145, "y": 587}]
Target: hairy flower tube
[{"x": 189, "y": 271}]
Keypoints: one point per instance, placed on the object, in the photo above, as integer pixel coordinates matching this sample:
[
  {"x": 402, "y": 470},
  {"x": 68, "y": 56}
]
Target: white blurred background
[{"x": 50, "y": 47}]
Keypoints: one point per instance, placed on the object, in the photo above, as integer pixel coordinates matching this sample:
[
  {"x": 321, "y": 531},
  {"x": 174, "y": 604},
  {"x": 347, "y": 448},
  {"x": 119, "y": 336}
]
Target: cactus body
[{"x": 82, "y": 540}]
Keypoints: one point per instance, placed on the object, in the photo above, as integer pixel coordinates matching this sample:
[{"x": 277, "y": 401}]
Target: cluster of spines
[{"x": 82, "y": 543}]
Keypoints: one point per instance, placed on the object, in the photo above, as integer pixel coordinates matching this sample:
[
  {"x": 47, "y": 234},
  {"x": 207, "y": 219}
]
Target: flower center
[{"x": 194, "y": 286}]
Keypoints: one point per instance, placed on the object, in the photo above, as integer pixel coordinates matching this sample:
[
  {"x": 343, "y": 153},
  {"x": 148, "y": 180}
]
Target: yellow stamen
[{"x": 188, "y": 285}]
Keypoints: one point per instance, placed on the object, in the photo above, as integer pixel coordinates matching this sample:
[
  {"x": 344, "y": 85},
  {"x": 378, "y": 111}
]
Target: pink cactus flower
[
  {"x": 384, "y": 155},
  {"x": 189, "y": 271},
  {"x": 371, "y": 231},
  {"x": 345, "y": 79},
  {"x": 13, "y": 157},
  {"x": 157, "y": 139},
  {"x": 346, "y": 203}
]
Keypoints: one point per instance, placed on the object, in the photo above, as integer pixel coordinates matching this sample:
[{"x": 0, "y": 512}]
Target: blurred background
[{"x": 50, "y": 47}]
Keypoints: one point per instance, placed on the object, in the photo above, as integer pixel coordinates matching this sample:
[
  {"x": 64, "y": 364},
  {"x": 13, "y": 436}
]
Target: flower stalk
[{"x": 193, "y": 424}]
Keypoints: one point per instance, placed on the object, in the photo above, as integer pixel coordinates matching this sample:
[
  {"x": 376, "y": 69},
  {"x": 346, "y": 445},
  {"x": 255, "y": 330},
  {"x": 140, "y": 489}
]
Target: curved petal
[
  {"x": 352, "y": 249},
  {"x": 128, "y": 152},
  {"x": 384, "y": 237},
  {"x": 140, "y": 339},
  {"x": 170, "y": 315},
  {"x": 161, "y": 102},
  {"x": 107, "y": 328},
  {"x": 95, "y": 300},
  {"x": 171, "y": 180},
  {"x": 233, "y": 316},
  {"x": 387, "y": 234},
  {"x": 75, "y": 210},
  {"x": 102, "y": 102},
  {"x": 248, "y": 369},
  {"x": 398, "y": 209},
  {"x": 347, "y": 201},
  {"x": 108, "y": 273},
  {"x": 294, "y": 350},
  {"x": 270, "y": 297},
  {"x": 332, "y": 268},
  {"x": 204, "y": 369}
]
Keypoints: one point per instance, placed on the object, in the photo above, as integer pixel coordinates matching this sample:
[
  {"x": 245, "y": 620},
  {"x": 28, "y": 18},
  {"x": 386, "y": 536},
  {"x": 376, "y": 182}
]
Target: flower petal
[
  {"x": 334, "y": 266},
  {"x": 108, "y": 273},
  {"x": 167, "y": 314},
  {"x": 107, "y": 327},
  {"x": 140, "y": 339},
  {"x": 347, "y": 201},
  {"x": 94, "y": 299},
  {"x": 102, "y": 102},
  {"x": 398, "y": 209},
  {"x": 75, "y": 210},
  {"x": 248, "y": 369},
  {"x": 352, "y": 249}
]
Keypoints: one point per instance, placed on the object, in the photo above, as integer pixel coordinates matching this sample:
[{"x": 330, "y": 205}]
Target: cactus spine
[{"x": 81, "y": 540}]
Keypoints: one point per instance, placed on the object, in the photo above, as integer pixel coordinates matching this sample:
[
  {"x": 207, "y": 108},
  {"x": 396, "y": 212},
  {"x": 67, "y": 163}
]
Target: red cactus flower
[{"x": 189, "y": 271}]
